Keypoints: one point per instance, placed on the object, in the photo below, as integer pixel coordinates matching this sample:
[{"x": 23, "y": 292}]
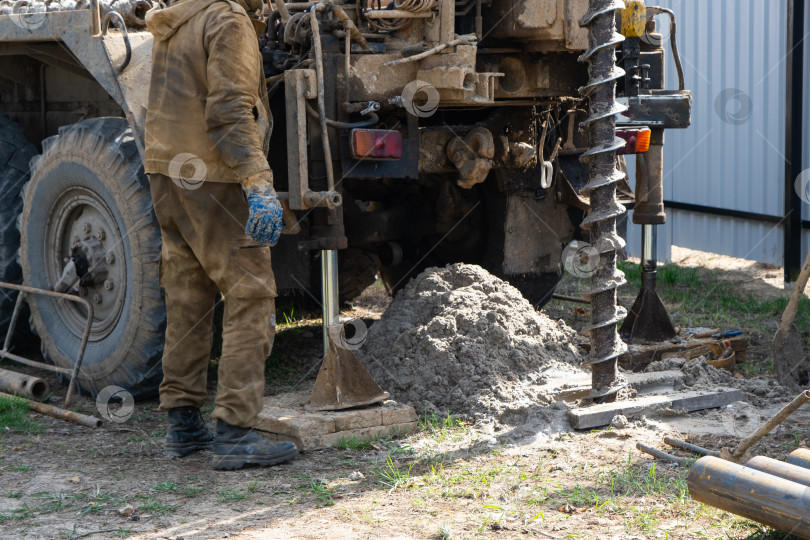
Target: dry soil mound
[{"x": 460, "y": 340}]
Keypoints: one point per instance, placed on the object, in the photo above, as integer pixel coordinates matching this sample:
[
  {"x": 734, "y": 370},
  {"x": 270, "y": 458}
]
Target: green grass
[
  {"x": 355, "y": 443},
  {"x": 168, "y": 485},
  {"x": 231, "y": 495},
  {"x": 14, "y": 417},
  {"x": 442, "y": 427},
  {"x": 636, "y": 479},
  {"x": 672, "y": 274},
  {"x": 696, "y": 297},
  {"x": 287, "y": 316},
  {"x": 99, "y": 502},
  {"x": 21, "y": 513},
  {"x": 79, "y": 503},
  {"x": 192, "y": 491},
  {"x": 392, "y": 476},
  {"x": 152, "y": 505},
  {"x": 318, "y": 489},
  {"x": 581, "y": 497},
  {"x": 632, "y": 272},
  {"x": 279, "y": 371}
]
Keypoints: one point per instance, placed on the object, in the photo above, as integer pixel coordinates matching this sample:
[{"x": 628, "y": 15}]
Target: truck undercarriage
[{"x": 407, "y": 135}]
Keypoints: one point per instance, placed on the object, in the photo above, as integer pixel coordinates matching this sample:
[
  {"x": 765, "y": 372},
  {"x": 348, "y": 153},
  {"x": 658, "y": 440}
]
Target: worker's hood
[{"x": 164, "y": 22}]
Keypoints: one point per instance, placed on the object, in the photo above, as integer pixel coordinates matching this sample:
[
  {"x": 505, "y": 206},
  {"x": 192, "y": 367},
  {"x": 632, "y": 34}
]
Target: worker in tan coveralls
[{"x": 207, "y": 130}]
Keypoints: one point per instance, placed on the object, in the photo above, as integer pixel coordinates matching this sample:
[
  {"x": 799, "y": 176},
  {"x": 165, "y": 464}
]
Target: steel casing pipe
[
  {"x": 783, "y": 470},
  {"x": 23, "y": 385},
  {"x": 800, "y": 457},
  {"x": 762, "y": 497}
]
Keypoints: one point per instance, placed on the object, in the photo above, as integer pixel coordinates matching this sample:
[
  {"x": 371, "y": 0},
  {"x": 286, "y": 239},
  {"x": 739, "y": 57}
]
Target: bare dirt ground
[{"x": 449, "y": 480}]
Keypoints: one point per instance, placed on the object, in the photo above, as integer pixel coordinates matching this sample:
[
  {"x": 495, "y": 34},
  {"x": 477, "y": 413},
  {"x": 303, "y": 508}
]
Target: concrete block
[
  {"x": 286, "y": 417},
  {"x": 292, "y": 422},
  {"x": 356, "y": 419},
  {"x": 398, "y": 415}
]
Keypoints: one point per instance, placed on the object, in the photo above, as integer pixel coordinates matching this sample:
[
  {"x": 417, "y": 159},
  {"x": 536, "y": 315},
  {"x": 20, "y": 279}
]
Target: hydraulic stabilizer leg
[
  {"x": 329, "y": 293},
  {"x": 648, "y": 320},
  {"x": 343, "y": 381}
]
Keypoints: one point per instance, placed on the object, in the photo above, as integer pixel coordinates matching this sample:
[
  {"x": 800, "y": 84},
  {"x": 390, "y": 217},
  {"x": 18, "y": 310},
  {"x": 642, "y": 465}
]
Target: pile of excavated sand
[{"x": 460, "y": 340}]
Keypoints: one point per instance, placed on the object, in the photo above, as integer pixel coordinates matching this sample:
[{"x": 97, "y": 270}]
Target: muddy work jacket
[{"x": 208, "y": 117}]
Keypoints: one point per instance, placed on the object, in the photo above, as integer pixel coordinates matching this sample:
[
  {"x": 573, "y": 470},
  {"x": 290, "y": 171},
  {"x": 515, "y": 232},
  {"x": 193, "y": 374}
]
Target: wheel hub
[{"x": 85, "y": 256}]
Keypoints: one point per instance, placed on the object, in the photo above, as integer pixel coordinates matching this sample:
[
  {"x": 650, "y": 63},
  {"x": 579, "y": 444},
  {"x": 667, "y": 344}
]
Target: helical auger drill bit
[{"x": 606, "y": 345}]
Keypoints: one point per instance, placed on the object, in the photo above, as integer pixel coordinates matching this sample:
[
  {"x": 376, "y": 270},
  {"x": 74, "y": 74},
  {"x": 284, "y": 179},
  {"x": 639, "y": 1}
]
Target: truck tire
[
  {"x": 481, "y": 243},
  {"x": 15, "y": 154},
  {"x": 88, "y": 198},
  {"x": 356, "y": 271}
]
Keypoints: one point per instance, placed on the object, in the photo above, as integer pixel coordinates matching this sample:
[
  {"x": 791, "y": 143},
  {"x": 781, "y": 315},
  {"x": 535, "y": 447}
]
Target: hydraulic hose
[
  {"x": 372, "y": 121},
  {"x": 672, "y": 41}
]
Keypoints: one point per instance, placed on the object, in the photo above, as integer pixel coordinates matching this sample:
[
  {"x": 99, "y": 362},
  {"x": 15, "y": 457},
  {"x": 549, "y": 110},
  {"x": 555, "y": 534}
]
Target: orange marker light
[
  {"x": 638, "y": 140},
  {"x": 376, "y": 144},
  {"x": 643, "y": 141}
]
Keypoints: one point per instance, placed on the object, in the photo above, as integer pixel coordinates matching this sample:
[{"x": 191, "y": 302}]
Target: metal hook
[{"x": 105, "y": 25}]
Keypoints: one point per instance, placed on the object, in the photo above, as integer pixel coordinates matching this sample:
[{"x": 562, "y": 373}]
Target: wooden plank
[
  {"x": 639, "y": 356},
  {"x": 601, "y": 415},
  {"x": 645, "y": 382}
]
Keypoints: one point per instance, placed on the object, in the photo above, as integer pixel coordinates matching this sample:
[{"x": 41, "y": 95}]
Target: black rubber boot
[
  {"x": 235, "y": 447},
  {"x": 187, "y": 432}
]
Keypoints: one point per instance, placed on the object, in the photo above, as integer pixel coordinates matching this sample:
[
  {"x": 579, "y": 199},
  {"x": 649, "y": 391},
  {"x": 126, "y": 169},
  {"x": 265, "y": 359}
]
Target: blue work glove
[{"x": 264, "y": 218}]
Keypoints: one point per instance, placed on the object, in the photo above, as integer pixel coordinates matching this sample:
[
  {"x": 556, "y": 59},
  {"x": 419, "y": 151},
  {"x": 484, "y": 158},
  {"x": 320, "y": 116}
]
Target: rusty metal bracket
[
  {"x": 301, "y": 85},
  {"x": 664, "y": 109},
  {"x": 6, "y": 353}
]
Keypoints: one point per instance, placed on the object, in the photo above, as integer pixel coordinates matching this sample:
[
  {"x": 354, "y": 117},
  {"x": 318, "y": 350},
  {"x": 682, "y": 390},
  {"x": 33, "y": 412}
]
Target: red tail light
[
  {"x": 638, "y": 140},
  {"x": 376, "y": 144}
]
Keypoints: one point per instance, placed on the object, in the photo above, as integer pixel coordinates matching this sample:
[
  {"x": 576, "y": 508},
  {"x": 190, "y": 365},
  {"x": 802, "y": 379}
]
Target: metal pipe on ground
[
  {"x": 794, "y": 473},
  {"x": 660, "y": 454},
  {"x": 61, "y": 414},
  {"x": 752, "y": 494},
  {"x": 23, "y": 385},
  {"x": 800, "y": 457},
  {"x": 683, "y": 445}
]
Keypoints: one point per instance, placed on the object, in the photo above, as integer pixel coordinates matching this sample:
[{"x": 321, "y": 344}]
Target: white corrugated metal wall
[{"x": 733, "y": 55}]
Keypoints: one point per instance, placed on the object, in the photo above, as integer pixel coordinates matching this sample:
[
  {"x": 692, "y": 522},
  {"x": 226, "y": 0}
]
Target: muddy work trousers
[{"x": 205, "y": 251}]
